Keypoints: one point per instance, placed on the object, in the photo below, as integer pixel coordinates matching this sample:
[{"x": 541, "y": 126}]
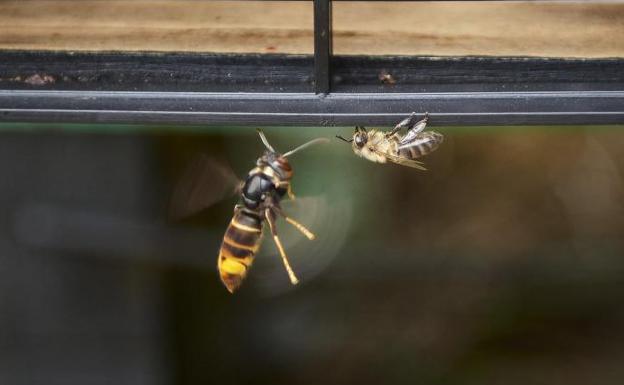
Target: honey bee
[
  {"x": 260, "y": 195},
  {"x": 381, "y": 147}
]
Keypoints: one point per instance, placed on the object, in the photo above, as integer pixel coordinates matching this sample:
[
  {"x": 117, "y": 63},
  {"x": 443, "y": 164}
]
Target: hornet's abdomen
[{"x": 240, "y": 243}]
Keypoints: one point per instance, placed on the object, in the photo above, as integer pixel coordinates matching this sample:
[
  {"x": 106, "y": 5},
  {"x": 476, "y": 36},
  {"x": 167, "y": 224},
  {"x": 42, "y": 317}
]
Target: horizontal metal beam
[
  {"x": 196, "y": 72},
  {"x": 307, "y": 109}
]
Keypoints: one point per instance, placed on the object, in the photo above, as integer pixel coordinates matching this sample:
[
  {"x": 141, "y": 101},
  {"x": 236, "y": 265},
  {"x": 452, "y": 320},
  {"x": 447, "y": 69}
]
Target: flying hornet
[{"x": 259, "y": 202}]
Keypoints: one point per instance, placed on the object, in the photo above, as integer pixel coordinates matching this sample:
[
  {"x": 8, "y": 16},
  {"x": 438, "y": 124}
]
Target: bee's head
[{"x": 360, "y": 137}]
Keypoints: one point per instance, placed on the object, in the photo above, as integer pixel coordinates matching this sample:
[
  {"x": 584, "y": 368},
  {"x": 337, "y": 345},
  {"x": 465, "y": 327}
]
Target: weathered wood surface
[
  {"x": 481, "y": 28},
  {"x": 402, "y": 28}
]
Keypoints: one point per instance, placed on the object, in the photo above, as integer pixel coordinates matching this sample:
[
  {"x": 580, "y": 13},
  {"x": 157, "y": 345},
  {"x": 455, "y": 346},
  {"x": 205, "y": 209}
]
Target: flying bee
[
  {"x": 381, "y": 147},
  {"x": 260, "y": 195}
]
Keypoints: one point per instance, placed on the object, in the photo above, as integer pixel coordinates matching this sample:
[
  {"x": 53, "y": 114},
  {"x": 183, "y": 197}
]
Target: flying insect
[
  {"x": 260, "y": 195},
  {"x": 382, "y": 147}
]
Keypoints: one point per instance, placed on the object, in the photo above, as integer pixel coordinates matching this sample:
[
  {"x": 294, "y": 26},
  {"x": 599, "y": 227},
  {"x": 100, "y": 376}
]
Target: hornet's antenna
[
  {"x": 308, "y": 144},
  {"x": 265, "y": 141}
]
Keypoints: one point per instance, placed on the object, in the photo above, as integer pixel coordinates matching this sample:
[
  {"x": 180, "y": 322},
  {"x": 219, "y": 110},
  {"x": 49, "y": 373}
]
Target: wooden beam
[{"x": 566, "y": 29}]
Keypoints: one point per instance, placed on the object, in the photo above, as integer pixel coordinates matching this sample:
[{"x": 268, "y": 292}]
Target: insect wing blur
[{"x": 333, "y": 214}]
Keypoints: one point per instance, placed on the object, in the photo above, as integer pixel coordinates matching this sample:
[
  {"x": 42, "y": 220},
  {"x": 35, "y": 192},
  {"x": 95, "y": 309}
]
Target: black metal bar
[
  {"x": 149, "y": 71},
  {"x": 474, "y": 74},
  {"x": 218, "y": 89},
  {"x": 304, "y": 109},
  {"x": 190, "y": 72},
  {"x": 322, "y": 46}
]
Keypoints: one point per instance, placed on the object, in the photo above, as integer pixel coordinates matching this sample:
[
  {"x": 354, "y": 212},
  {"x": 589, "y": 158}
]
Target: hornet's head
[{"x": 279, "y": 162}]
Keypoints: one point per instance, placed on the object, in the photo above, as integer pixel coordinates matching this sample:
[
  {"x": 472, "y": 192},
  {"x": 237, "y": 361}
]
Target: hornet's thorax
[{"x": 270, "y": 179}]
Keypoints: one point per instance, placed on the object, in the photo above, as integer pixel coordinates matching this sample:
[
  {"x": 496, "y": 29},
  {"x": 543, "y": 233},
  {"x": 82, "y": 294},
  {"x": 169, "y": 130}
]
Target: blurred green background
[{"x": 501, "y": 264}]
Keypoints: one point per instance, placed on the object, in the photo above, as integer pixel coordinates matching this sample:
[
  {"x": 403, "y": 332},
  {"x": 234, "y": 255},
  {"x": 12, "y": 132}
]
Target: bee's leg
[
  {"x": 421, "y": 124},
  {"x": 405, "y": 123},
  {"x": 270, "y": 217},
  {"x": 308, "y": 234}
]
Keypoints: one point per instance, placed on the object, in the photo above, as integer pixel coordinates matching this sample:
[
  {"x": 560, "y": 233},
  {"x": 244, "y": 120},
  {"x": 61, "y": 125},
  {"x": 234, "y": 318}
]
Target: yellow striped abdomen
[{"x": 240, "y": 243}]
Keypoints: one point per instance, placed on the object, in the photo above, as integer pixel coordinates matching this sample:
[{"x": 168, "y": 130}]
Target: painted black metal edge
[
  {"x": 322, "y": 46},
  {"x": 193, "y": 72},
  {"x": 306, "y": 109},
  {"x": 474, "y": 74},
  {"x": 154, "y": 71}
]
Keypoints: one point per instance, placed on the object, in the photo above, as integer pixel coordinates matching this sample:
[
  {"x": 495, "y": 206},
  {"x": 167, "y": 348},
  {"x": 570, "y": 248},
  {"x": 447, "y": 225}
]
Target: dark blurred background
[{"x": 501, "y": 264}]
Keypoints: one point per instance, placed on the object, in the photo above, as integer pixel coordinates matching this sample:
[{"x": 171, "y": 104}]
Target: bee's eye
[{"x": 360, "y": 140}]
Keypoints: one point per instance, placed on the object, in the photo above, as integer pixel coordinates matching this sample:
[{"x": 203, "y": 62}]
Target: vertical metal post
[{"x": 322, "y": 46}]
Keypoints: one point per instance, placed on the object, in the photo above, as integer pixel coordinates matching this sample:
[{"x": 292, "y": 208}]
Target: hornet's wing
[
  {"x": 329, "y": 218},
  {"x": 204, "y": 183}
]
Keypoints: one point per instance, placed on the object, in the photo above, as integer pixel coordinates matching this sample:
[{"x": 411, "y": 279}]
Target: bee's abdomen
[
  {"x": 425, "y": 143},
  {"x": 238, "y": 249}
]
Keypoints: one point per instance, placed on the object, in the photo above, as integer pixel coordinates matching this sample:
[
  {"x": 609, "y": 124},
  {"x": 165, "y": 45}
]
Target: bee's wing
[
  {"x": 402, "y": 160},
  {"x": 328, "y": 218},
  {"x": 407, "y": 162},
  {"x": 204, "y": 183},
  {"x": 405, "y": 123},
  {"x": 414, "y": 128},
  {"x": 408, "y": 137}
]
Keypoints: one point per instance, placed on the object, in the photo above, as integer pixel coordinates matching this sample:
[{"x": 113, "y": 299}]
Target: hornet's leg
[
  {"x": 290, "y": 192},
  {"x": 288, "y": 187},
  {"x": 308, "y": 234},
  {"x": 270, "y": 217}
]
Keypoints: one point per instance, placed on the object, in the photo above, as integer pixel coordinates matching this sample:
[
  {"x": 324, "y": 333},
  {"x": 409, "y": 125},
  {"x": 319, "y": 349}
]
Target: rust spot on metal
[
  {"x": 40, "y": 80},
  {"x": 386, "y": 78}
]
